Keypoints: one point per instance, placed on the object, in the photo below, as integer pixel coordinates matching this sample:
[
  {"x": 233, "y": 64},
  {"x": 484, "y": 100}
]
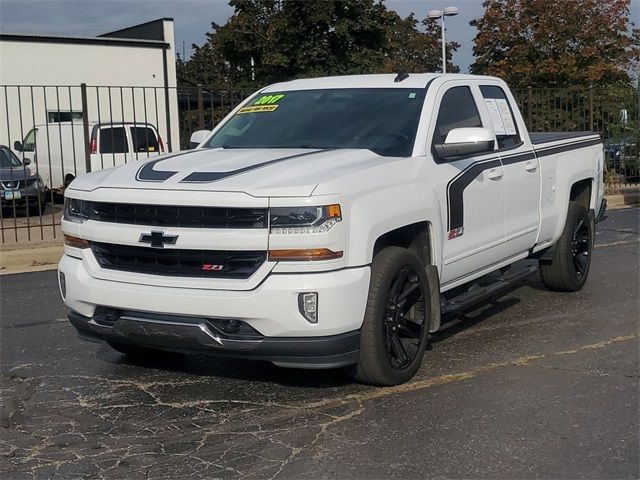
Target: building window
[{"x": 59, "y": 117}]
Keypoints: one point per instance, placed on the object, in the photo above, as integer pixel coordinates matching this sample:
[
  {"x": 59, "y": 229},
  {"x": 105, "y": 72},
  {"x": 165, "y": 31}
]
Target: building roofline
[
  {"x": 168, "y": 19},
  {"x": 116, "y": 42}
]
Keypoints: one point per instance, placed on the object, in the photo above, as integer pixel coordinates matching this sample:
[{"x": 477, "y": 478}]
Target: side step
[{"x": 476, "y": 294}]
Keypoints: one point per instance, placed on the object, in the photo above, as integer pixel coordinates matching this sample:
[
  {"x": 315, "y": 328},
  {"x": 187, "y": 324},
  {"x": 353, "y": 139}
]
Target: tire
[
  {"x": 37, "y": 209},
  {"x": 389, "y": 328},
  {"x": 134, "y": 351},
  {"x": 569, "y": 267}
]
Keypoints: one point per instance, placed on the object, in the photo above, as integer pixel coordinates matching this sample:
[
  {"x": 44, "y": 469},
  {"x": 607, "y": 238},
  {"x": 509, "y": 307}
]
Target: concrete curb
[
  {"x": 30, "y": 259},
  {"x": 625, "y": 198}
]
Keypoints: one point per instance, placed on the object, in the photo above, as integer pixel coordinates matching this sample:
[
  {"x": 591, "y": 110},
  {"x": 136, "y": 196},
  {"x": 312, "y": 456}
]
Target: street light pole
[
  {"x": 444, "y": 49},
  {"x": 434, "y": 15}
]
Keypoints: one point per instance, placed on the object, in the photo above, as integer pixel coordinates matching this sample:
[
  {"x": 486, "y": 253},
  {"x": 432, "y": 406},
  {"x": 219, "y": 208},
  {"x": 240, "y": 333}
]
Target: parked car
[
  {"x": 330, "y": 222},
  {"x": 19, "y": 184},
  {"x": 59, "y": 148}
]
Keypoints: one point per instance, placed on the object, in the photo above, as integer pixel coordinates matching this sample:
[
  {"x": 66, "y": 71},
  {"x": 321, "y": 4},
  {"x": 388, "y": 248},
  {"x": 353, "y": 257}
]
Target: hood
[
  {"x": 15, "y": 174},
  {"x": 257, "y": 172}
]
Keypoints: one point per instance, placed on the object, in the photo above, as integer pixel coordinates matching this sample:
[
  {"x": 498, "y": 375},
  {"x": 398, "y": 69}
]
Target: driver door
[{"x": 472, "y": 192}]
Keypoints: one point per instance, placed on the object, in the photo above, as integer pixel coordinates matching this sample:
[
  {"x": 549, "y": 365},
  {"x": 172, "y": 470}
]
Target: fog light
[
  {"x": 230, "y": 326},
  {"x": 308, "y": 306},
  {"x": 63, "y": 285}
]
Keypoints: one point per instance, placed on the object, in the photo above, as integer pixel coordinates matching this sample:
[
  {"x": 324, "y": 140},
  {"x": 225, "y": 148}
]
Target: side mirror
[
  {"x": 198, "y": 137},
  {"x": 466, "y": 141},
  {"x": 26, "y": 161},
  {"x": 17, "y": 145}
]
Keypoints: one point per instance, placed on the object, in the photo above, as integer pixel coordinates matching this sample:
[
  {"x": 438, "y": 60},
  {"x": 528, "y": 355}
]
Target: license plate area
[{"x": 12, "y": 195}]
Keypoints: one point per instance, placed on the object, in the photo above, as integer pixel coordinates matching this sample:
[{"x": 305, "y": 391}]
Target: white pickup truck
[{"x": 330, "y": 222}]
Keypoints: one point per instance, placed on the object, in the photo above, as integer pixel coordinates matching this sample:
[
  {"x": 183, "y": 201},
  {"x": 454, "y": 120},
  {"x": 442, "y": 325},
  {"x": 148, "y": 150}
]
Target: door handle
[
  {"x": 495, "y": 173},
  {"x": 531, "y": 166}
]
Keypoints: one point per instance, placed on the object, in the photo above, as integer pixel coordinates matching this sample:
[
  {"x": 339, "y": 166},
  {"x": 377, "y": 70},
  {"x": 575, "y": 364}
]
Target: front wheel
[
  {"x": 567, "y": 271},
  {"x": 395, "y": 330}
]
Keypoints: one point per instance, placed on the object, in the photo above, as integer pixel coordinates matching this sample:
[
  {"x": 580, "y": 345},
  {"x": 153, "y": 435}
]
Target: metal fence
[
  {"x": 51, "y": 134},
  {"x": 613, "y": 112}
]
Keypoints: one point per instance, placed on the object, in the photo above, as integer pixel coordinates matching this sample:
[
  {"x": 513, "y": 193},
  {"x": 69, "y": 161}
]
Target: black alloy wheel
[
  {"x": 580, "y": 241},
  {"x": 395, "y": 329},
  {"x": 404, "y": 320}
]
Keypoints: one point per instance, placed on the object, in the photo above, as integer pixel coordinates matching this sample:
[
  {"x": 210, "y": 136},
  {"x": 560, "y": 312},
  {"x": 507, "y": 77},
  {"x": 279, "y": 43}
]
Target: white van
[{"x": 59, "y": 148}]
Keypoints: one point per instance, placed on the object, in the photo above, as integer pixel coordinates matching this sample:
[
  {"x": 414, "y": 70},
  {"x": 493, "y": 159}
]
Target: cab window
[
  {"x": 29, "y": 143},
  {"x": 457, "y": 110}
]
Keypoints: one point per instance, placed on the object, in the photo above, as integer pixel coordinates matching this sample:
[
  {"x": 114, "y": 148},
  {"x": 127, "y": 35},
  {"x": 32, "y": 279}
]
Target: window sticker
[
  {"x": 266, "y": 103},
  {"x": 412, "y": 95},
  {"x": 496, "y": 118},
  {"x": 257, "y": 109},
  {"x": 505, "y": 114}
]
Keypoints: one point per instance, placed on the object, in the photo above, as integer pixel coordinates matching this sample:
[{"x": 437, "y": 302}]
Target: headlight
[
  {"x": 75, "y": 210},
  {"x": 286, "y": 220}
]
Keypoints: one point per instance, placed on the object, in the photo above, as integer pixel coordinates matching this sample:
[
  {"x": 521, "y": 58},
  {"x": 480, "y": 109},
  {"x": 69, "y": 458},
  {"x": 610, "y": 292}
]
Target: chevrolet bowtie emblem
[{"x": 158, "y": 239}]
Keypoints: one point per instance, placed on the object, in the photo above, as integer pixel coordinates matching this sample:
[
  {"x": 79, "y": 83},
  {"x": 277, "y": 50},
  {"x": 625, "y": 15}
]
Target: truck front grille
[
  {"x": 176, "y": 216},
  {"x": 178, "y": 263}
]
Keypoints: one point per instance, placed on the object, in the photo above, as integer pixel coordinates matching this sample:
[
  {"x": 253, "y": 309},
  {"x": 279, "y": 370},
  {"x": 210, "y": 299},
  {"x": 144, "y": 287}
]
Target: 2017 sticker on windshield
[{"x": 266, "y": 103}]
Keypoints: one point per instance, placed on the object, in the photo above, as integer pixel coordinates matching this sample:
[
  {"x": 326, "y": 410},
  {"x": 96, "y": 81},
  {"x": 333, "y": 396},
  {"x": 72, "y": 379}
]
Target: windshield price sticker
[{"x": 266, "y": 103}]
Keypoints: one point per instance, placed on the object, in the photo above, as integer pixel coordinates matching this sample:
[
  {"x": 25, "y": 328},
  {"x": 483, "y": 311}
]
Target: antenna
[{"x": 400, "y": 77}]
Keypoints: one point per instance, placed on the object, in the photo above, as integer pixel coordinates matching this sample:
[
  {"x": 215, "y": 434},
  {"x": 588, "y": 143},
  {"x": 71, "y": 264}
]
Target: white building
[{"x": 130, "y": 75}]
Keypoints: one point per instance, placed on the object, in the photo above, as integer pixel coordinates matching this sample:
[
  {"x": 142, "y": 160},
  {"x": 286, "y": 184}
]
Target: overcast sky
[{"x": 193, "y": 17}]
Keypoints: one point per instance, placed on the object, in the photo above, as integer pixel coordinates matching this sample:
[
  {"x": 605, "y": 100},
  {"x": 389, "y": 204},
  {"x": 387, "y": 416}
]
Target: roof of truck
[{"x": 386, "y": 80}]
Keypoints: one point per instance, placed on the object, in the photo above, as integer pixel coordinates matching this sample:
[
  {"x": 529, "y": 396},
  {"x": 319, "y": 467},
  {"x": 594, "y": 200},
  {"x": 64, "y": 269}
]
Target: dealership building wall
[{"x": 130, "y": 75}]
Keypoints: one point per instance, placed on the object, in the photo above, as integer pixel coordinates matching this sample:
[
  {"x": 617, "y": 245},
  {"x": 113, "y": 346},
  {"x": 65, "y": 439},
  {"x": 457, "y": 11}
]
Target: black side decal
[
  {"x": 544, "y": 152},
  {"x": 457, "y": 185},
  {"x": 204, "y": 177},
  {"x": 146, "y": 173}
]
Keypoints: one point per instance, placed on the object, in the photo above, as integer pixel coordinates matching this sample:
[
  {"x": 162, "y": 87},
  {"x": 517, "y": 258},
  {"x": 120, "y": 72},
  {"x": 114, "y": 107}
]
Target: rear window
[
  {"x": 144, "y": 139},
  {"x": 113, "y": 140},
  {"x": 504, "y": 122}
]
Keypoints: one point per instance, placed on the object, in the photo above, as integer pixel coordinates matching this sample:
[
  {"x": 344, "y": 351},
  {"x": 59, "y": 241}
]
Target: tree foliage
[
  {"x": 556, "y": 42},
  {"x": 291, "y": 39}
]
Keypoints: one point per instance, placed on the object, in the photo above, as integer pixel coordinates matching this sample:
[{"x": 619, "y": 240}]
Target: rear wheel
[
  {"x": 567, "y": 271},
  {"x": 395, "y": 330}
]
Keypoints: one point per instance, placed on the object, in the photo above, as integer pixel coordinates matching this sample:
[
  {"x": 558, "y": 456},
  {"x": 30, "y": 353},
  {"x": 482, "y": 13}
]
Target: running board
[{"x": 457, "y": 305}]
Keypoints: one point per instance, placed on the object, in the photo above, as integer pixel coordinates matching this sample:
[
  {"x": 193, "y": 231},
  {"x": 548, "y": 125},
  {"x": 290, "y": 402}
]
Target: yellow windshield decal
[
  {"x": 266, "y": 103},
  {"x": 257, "y": 109}
]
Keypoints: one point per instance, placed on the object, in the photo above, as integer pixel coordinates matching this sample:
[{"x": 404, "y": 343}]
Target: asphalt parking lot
[{"x": 534, "y": 385}]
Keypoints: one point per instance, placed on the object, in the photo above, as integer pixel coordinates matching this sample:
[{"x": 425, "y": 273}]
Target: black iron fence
[
  {"x": 613, "y": 112},
  {"x": 51, "y": 134}
]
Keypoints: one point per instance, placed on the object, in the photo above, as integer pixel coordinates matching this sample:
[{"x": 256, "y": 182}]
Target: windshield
[
  {"x": 383, "y": 120},
  {"x": 8, "y": 159}
]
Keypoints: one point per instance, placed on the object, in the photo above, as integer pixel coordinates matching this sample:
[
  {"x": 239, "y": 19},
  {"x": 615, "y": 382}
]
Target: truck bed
[{"x": 538, "y": 138}]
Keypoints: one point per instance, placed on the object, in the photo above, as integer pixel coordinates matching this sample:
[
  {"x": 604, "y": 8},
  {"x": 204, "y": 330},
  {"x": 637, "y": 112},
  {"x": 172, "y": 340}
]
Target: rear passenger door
[
  {"x": 521, "y": 171},
  {"x": 472, "y": 192}
]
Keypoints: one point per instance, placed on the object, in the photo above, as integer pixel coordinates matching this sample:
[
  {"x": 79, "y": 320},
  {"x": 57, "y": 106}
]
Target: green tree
[
  {"x": 556, "y": 42},
  {"x": 290, "y": 39}
]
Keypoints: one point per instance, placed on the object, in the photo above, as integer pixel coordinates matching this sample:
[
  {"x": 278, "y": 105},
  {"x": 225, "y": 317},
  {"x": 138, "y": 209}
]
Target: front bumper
[
  {"x": 172, "y": 317},
  {"x": 192, "y": 334}
]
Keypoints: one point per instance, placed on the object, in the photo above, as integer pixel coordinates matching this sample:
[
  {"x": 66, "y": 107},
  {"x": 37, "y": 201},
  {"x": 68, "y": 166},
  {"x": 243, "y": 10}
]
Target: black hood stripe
[
  {"x": 146, "y": 173},
  {"x": 206, "y": 177}
]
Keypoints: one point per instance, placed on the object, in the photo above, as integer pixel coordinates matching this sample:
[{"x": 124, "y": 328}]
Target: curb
[
  {"x": 30, "y": 260},
  {"x": 621, "y": 199}
]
